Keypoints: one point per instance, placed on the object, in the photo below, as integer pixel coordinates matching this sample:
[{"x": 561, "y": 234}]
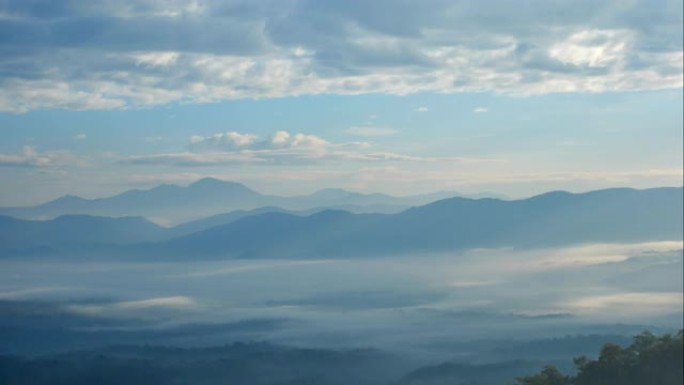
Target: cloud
[
  {"x": 242, "y": 148},
  {"x": 141, "y": 53},
  {"x": 282, "y": 148},
  {"x": 231, "y": 140},
  {"x": 34, "y": 292},
  {"x": 370, "y": 131},
  {"x": 281, "y": 140},
  {"x": 31, "y": 157},
  {"x": 191, "y": 159},
  {"x": 637, "y": 303},
  {"x": 28, "y": 157},
  {"x": 202, "y": 273},
  {"x": 80, "y": 137},
  {"x": 168, "y": 302},
  {"x": 422, "y": 109},
  {"x": 447, "y": 173},
  {"x": 175, "y": 303},
  {"x": 480, "y": 110}
]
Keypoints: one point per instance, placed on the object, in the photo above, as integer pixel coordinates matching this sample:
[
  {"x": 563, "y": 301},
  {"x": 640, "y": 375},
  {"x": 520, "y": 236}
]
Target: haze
[{"x": 330, "y": 192}]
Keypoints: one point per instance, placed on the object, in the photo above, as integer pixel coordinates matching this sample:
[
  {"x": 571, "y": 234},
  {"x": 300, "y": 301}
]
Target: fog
[{"x": 418, "y": 304}]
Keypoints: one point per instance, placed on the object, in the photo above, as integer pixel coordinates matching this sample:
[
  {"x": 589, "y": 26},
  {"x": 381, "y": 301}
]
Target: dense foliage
[{"x": 648, "y": 360}]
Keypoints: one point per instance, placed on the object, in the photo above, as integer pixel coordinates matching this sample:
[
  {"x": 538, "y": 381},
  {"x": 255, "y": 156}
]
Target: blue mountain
[
  {"x": 557, "y": 218},
  {"x": 174, "y": 204},
  {"x": 19, "y": 236}
]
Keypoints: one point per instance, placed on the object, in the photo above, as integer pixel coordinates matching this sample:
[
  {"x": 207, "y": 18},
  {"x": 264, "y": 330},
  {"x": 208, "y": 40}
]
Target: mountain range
[
  {"x": 172, "y": 204},
  {"x": 453, "y": 224}
]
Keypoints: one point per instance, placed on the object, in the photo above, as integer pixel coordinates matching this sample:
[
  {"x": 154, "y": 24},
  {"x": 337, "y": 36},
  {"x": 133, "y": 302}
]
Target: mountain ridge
[
  {"x": 453, "y": 224},
  {"x": 450, "y": 224},
  {"x": 174, "y": 204}
]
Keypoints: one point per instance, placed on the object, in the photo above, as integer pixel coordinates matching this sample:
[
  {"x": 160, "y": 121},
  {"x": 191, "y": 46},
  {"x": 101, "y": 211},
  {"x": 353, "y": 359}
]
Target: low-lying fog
[{"x": 420, "y": 303}]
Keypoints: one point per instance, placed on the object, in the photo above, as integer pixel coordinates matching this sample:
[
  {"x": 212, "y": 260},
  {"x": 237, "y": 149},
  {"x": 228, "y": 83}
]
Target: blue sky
[{"x": 292, "y": 96}]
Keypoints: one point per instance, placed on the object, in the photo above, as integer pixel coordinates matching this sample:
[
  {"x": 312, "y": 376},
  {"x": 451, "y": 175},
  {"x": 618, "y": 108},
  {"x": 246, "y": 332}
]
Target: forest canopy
[{"x": 648, "y": 360}]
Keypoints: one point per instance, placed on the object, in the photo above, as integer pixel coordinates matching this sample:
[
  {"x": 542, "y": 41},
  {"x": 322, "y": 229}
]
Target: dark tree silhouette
[{"x": 648, "y": 360}]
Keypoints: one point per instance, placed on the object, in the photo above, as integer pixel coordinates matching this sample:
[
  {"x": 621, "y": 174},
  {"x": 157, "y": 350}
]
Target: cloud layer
[
  {"x": 118, "y": 54},
  {"x": 284, "y": 148},
  {"x": 31, "y": 157}
]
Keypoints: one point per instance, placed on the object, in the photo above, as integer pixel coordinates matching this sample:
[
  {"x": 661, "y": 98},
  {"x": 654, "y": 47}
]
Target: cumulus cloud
[
  {"x": 480, "y": 110},
  {"x": 284, "y": 148},
  {"x": 235, "y": 148},
  {"x": 236, "y": 141},
  {"x": 139, "y": 53},
  {"x": 232, "y": 140}
]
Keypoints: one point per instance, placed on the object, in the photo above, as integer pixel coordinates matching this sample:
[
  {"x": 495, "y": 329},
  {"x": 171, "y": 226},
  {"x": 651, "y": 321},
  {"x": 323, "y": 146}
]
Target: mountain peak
[
  {"x": 70, "y": 198},
  {"x": 213, "y": 186},
  {"x": 213, "y": 183},
  {"x": 209, "y": 181},
  {"x": 65, "y": 201}
]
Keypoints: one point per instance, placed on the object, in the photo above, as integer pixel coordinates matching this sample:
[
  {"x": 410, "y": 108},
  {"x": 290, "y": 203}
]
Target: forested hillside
[{"x": 648, "y": 360}]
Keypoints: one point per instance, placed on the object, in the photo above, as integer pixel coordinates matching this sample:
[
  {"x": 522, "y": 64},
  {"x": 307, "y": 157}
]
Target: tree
[
  {"x": 550, "y": 375},
  {"x": 648, "y": 360}
]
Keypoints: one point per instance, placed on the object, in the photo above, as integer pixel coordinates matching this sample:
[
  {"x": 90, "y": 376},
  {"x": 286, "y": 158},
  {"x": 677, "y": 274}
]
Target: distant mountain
[
  {"x": 171, "y": 204},
  {"x": 18, "y": 236},
  {"x": 552, "y": 219},
  {"x": 166, "y": 202},
  {"x": 218, "y": 220},
  {"x": 557, "y": 218}
]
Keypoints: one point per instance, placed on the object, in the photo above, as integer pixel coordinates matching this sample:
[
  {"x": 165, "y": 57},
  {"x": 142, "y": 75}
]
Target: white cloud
[
  {"x": 284, "y": 148},
  {"x": 257, "y": 51},
  {"x": 222, "y": 140},
  {"x": 480, "y": 110},
  {"x": 156, "y": 59},
  {"x": 31, "y": 157},
  {"x": 176, "y": 303},
  {"x": 370, "y": 131},
  {"x": 422, "y": 109},
  {"x": 28, "y": 157},
  {"x": 280, "y": 138},
  {"x": 80, "y": 136},
  {"x": 637, "y": 303},
  {"x": 201, "y": 273},
  {"x": 169, "y": 302},
  {"x": 193, "y": 158},
  {"x": 20, "y": 95},
  {"x": 307, "y": 141},
  {"x": 34, "y": 292},
  {"x": 594, "y": 48}
]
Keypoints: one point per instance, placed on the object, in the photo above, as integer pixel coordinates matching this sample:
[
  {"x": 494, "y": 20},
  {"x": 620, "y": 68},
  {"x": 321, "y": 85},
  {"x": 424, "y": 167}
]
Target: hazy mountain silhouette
[
  {"x": 198, "y": 199},
  {"x": 218, "y": 220},
  {"x": 209, "y": 196},
  {"x": 557, "y": 218},
  {"x": 21, "y": 236}
]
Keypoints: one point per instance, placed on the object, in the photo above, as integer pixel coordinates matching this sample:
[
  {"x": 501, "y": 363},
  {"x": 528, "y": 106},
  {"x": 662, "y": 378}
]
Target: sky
[{"x": 290, "y": 96}]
